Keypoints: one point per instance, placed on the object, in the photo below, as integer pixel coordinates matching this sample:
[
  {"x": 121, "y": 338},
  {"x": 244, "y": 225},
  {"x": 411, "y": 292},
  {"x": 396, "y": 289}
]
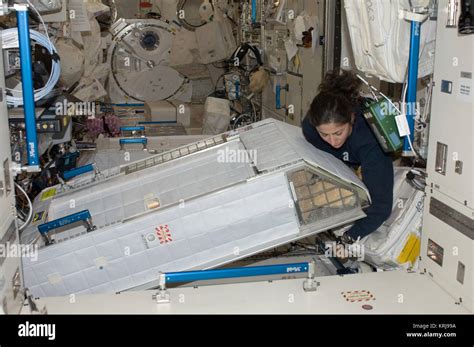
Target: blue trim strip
[
  {"x": 58, "y": 223},
  {"x": 254, "y": 11},
  {"x": 143, "y": 141},
  {"x": 78, "y": 171},
  {"x": 27, "y": 87},
  {"x": 139, "y": 128},
  {"x": 278, "y": 97},
  {"x": 412, "y": 82},
  {"x": 190, "y": 276}
]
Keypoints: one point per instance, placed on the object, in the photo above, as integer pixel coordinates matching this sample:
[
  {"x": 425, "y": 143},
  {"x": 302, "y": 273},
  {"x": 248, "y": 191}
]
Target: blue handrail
[
  {"x": 191, "y": 276},
  {"x": 412, "y": 84},
  {"x": 78, "y": 171},
  {"x": 83, "y": 216},
  {"x": 27, "y": 85}
]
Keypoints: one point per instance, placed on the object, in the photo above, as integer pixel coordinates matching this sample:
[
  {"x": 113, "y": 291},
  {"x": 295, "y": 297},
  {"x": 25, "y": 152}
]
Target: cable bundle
[{"x": 10, "y": 40}]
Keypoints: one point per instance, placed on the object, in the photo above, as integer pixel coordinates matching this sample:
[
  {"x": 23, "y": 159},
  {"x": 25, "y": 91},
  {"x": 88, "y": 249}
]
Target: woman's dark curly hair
[{"x": 337, "y": 98}]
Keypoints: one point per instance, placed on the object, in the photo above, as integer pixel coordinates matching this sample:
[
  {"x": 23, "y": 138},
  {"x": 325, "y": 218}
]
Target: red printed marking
[{"x": 164, "y": 234}]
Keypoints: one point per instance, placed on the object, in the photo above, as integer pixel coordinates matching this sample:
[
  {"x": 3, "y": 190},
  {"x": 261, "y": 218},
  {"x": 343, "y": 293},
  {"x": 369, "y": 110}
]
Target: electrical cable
[
  {"x": 369, "y": 86},
  {"x": 422, "y": 120},
  {"x": 30, "y": 213},
  {"x": 417, "y": 183},
  {"x": 10, "y": 40},
  {"x": 254, "y": 111},
  {"x": 42, "y": 21},
  {"x": 236, "y": 122}
]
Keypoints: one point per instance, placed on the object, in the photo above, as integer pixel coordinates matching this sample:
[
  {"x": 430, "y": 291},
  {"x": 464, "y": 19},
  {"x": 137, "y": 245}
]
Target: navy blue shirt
[{"x": 362, "y": 149}]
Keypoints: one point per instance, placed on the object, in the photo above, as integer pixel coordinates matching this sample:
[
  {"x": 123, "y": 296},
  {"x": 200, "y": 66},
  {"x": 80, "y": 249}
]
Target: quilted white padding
[{"x": 204, "y": 232}]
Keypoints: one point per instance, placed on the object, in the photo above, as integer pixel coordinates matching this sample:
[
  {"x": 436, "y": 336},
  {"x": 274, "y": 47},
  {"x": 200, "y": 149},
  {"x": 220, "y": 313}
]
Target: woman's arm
[{"x": 377, "y": 174}]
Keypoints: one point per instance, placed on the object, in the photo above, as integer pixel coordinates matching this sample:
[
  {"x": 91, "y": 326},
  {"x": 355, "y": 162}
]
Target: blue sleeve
[
  {"x": 377, "y": 175},
  {"x": 310, "y": 133}
]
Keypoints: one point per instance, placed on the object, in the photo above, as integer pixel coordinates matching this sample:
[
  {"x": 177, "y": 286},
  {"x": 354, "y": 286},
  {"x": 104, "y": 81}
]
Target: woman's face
[{"x": 335, "y": 134}]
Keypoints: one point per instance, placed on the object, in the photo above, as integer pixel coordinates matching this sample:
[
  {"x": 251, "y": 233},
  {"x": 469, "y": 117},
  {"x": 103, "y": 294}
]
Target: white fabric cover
[{"x": 380, "y": 38}]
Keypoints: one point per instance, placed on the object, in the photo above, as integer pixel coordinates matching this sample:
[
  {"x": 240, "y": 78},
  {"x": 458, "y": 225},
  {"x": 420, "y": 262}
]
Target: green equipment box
[{"x": 381, "y": 117}]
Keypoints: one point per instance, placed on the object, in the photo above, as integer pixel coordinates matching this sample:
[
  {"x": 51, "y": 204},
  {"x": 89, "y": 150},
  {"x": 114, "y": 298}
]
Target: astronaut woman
[{"x": 335, "y": 124}]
